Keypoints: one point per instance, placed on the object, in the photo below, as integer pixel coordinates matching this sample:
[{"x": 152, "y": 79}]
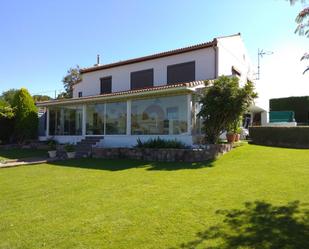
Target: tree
[
  {"x": 6, "y": 111},
  {"x": 6, "y": 121},
  {"x": 37, "y": 98},
  {"x": 8, "y": 95},
  {"x": 73, "y": 77},
  {"x": 26, "y": 116},
  {"x": 222, "y": 103},
  {"x": 302, "y": 28}
]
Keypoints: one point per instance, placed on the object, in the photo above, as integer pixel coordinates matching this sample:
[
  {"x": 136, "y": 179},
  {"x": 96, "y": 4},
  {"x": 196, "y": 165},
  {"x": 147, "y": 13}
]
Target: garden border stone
[{"x": 209, "y": 152}]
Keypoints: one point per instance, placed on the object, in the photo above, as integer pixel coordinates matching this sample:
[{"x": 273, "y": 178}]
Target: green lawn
[
  {"x": 21, "y": 153},
  {"x": 125, "y": 204}
]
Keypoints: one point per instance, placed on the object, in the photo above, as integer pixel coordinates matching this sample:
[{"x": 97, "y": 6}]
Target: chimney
[{"x": 98, "y": 60}]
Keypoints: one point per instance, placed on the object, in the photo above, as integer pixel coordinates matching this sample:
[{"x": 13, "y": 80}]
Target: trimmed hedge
[
  {"x": 289, "y": 137},
  {"x": 300, "y": 106}
]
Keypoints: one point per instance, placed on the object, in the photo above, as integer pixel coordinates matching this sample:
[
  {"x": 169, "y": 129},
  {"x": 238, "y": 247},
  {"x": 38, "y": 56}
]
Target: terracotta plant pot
[
  {"x": 237, "y": 137},
  {"x": 230, "y": 137}
]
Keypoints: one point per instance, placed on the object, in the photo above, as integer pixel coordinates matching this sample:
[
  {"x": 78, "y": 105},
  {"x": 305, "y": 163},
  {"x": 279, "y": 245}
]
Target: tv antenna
[{"x": 261, "y": 53}]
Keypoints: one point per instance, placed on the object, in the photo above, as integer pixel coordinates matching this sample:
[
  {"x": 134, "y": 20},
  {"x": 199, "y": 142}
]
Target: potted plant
[
  {"x": 230, "y": 136},
  {"x": 70, "y": 150},
  {"x": 52, "y": 152},
  {"x": 238, "y": 132}
]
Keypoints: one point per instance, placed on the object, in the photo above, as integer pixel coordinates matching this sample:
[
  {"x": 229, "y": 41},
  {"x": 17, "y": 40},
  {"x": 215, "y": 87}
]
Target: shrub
[
  {"x": 159, "y": 143},
  {"x": 222, "y": 103},
  {"x": 291, "y": 137},
  {"x": 26, "y": 116},
  {"x": 69, "y": 147},
  {"x": 52, "y": 144}
]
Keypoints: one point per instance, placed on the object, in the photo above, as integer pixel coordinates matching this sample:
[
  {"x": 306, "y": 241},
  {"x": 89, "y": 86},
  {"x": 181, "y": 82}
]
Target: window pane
[
  {"x": 65, "y": 120},
  {"x": 141, "y": 79},
  {"x": 183, "y": 72},
  {"x": 116, "y": 118},
  {"x": 106, "y": 85},
  {"x": 95, "y": 119},
  {"x": 166, "y": 115}
]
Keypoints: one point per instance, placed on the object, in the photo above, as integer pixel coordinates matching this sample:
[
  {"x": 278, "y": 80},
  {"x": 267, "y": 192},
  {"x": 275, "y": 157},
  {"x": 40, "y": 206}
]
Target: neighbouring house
[{"x": 145, "y": 97}]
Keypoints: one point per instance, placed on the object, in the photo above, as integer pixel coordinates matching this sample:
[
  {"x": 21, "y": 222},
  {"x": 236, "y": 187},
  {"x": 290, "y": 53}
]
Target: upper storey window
[
  {"x": 142, "y": 79},
  {"x": 184, "y": 72},
  {"x": 106, "y": 85}
]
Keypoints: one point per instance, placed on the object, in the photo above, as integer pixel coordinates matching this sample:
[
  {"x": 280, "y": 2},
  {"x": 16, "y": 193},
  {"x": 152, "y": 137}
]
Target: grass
[
  {"x": 21, "y": 153},
  {"x": 252, "y": 197}
]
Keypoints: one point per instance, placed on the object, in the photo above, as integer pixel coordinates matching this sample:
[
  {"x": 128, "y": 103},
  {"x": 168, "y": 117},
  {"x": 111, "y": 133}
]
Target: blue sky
[{"x": 40, "y": 40}]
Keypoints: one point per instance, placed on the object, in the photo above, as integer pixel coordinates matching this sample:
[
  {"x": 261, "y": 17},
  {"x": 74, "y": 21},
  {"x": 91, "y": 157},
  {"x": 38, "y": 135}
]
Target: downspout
[{"x": 216, "y": 50}]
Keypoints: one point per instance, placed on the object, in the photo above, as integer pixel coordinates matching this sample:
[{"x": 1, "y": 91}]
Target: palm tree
[{"x": 302, "y": 28}]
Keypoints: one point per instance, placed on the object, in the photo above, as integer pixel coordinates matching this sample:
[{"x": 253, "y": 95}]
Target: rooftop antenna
[{"x": 261, "y": 53}]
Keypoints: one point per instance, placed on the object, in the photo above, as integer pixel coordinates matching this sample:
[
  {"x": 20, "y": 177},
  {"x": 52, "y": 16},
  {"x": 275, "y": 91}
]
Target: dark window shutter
[
  {"x": 142, "y": 79},
  {"x": 178, "y": 73},
  {"x": 106, "y": 85}
]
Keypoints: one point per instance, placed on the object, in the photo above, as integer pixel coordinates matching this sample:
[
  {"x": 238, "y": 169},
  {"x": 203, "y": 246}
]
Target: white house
[{"x": 144, "y": 97}]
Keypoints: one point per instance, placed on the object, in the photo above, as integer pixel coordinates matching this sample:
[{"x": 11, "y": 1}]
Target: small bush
[
  {"x": 69, "y": 147},
  {"x": 159, "y": 143},
  {"x": 52, "y": 144},
  {"x": 290, "y": 137}
]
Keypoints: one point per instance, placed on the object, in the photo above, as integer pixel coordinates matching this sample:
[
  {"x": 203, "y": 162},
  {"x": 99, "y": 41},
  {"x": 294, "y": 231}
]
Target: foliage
[
  {"x": 302, "y": 28},
  {"x": 8, "y": 96},
  {"x": 291, "y": 137},
  {"x": 73, "y": 77},
  {"x": 69, "y": 147},
  {"x": 52, "y": 144},
  {"x": 234, "y": 126},
  {"x": 120, "y": 204},
  {"x": 6, "y": 111},
  {"x": 299, "y": 105},
  {"x": 37, "y": 98},
  {"x": 159, "y": 143},
  {"x": 26, "y": 116},
  {"x": 223, "y": 102},
  {"x": 6, "y": 121}
]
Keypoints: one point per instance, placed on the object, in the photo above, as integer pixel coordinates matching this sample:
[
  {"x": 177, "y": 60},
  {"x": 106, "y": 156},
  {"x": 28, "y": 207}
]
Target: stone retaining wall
[{"x": 163, "y": 155}]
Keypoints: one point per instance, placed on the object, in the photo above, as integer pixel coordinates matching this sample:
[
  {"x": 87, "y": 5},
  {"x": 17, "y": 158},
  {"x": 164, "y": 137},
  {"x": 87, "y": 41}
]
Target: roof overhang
[{"x": 175, "y": 89}]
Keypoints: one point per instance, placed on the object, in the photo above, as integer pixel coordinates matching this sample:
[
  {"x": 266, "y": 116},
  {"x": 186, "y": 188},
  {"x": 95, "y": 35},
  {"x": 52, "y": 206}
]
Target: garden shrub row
[{"x": 290, "y": 137}]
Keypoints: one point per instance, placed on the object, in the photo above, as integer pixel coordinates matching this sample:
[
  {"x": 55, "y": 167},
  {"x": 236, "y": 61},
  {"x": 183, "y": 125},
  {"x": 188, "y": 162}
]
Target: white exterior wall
[
  {"x": 204, "y": 69},
  {"x": 232, "y": 52},
  {"x": 63, "y": 139}
]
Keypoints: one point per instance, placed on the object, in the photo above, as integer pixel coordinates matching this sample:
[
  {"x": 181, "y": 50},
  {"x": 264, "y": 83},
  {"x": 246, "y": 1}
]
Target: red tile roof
[
  {"x": 151, "y": 57},
  {"x": 158, "y": 55},
  {"x": 128, "y": 92}
]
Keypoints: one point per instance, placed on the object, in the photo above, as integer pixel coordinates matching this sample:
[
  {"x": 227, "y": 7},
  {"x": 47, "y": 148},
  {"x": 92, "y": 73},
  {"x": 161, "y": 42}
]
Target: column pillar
[
  {"x": 47, "y": 122},
  {"x": 189, "y": 114},
  {"x": 84, "y": 121},
  {"x": 129, "y": 117}
]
